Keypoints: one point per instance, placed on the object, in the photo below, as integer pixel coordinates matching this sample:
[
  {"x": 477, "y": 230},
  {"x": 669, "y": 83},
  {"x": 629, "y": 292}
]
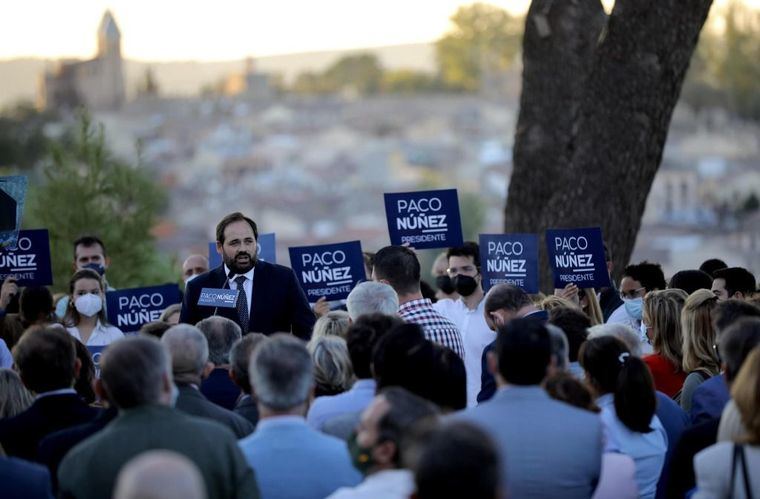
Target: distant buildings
[
  {"x": 249, "y": 84},
  {"x": 97, "y": 84}
]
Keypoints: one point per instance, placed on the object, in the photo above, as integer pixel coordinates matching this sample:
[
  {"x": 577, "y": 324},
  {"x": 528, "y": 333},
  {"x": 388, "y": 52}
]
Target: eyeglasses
[
  {"x": 633, "y": 294},
  {"x": 467, "y": 269}
]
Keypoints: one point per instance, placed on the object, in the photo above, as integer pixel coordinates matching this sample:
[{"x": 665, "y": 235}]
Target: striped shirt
[{"x": 436, "y": 327}]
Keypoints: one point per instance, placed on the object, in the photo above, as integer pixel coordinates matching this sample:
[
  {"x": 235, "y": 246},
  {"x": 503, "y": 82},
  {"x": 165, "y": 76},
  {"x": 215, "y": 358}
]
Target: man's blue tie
[{"x": 242, "y": 303}]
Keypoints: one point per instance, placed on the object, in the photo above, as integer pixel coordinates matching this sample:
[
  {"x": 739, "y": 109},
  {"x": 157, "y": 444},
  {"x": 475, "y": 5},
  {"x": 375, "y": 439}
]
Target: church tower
[{"x": 109, "y": 37}]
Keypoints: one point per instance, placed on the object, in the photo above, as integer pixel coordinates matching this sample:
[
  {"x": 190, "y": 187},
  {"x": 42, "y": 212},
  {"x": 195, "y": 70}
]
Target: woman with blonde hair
[
  {"x": 334, "y": 323},
  {"x": 662, "y": 319},
  {"x": 699, "y": 358},
  {"x": 729, "y": 469},
  {"x": 333, "y": 372},
  {"x": 585, "y": 299}
]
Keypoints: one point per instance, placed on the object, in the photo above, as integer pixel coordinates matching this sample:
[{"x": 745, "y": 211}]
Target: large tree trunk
[{"x": 594, "y": 115}]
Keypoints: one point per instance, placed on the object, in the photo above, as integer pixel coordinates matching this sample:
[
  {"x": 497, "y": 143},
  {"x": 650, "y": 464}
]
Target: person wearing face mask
[
  {"x": 85, "y": 317},
  {"x": 193, "y": 266},
  {"x": 379, "y": 442},
  {"x": 638, "y": 280},
  {"x": 467, "y": 311},
  {"x": 89, "y": 253},
  {"x": 440, "y": 272}
]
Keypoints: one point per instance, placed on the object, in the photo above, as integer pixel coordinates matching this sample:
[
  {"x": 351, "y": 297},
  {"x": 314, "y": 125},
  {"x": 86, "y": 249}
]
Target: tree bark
[{"x": 610, "y": 114}]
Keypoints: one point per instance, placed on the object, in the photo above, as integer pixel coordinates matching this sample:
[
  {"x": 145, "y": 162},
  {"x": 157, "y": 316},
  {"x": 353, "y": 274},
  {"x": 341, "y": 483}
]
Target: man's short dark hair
[
  {"x": 221, "y": 333},
  {"x": 240, "y": 358},
  {"x": 400, "y": 267},
  {"x": 450, "y": 393},
  {"x": 737, "y": 279},
  {"x": 469, "y": 248},
  {"x": 406, "y": 410},
  {"x": 88, "y": 242},
  {"x": 45, "y": 359},
  {"x": 648, "y": 274},
  {"x": 729, "y": 311},
  {"x": 232, "y": 218},
  {"x": 574, "y": 324},
  {"x": 35, "y": 303},
  {"x": 361, "y": 338},
  {"x": 690, "y": 280},
  {"x": 507, "y": 297},
  {"x": 711, "y": 265},
  {"x": 523, "y": 349},
  {"x": 458, "y": 460},
  {"x": 132, "y": 371},
  {"x": 737, "y": 342},
  {"x": 403, "y": 357},
  {"x": 155, "y": 329}
]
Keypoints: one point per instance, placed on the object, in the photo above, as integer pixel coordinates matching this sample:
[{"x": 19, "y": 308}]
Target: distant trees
[
  {"x": 22, "y": 139},
  {"x": 84, "y": 189}
]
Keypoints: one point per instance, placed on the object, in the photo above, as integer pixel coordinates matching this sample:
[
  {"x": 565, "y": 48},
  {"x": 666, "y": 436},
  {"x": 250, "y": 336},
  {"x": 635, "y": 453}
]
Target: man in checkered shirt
[{"x": 399, "y": 267}]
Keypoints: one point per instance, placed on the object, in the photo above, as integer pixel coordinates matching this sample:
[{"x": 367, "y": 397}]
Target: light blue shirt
[
  {"x": 646, "y": 449},
  {"x": 6, "y": 359},
  {"x": 294, "y": 461},
  {"x": 354, "y": 400}
]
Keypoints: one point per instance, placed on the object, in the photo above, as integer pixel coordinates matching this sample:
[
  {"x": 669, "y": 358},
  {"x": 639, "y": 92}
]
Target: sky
[{"x": 160, "y": 30}]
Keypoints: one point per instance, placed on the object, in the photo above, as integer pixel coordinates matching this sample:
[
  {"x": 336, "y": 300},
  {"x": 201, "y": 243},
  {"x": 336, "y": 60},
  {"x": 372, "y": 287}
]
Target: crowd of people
[{"x": 649, "y": 388}]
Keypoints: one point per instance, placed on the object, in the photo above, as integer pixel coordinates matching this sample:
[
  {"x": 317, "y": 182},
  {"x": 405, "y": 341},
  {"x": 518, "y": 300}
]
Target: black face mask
[
  {"x": 444, "y": 284},
  {"x": 464, "y": 284}
]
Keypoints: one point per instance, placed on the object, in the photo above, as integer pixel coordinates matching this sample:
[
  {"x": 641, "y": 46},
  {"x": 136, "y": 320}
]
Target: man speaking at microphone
[{"x": 269, "y": 297}]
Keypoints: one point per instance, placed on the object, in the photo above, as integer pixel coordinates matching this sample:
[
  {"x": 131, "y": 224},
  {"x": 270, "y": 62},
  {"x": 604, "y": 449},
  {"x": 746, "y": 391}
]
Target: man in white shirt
[{"x": 467, "y": 312}]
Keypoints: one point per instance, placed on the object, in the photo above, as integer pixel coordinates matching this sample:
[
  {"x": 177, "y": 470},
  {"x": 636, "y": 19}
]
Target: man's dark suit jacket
[
  {"x": 21, "y": 434},
  {"x": 246, "y": 407},
  {"x": 191, "y": 401},
  {"x": 23, "y": 480},
  {"x": 54, "y": 447},
  {"x": 220, "y": 389},
  {"x": 278, "y": 303},
  {"x": 487, "y": 381}
]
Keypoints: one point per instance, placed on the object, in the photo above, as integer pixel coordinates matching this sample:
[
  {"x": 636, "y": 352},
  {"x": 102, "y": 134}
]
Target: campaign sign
[
  {"x": 96, "y": 352},
  {"x": 216, "y": 297},
  {"x": 509, "y": 259},
  {"x": 266, "y": 251},
  {"x": 424, "y": 219},
  {"x": 329, "y": 270},
  {"x": 12, "y": 195},
  {"x": 130, "y": 309},
  {"x": 577, "y": 257},
  {"x": 30, "y": 261}
]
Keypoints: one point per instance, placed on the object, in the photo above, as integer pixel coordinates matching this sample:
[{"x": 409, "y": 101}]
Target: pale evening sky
[{"x": 158, "y": 30}]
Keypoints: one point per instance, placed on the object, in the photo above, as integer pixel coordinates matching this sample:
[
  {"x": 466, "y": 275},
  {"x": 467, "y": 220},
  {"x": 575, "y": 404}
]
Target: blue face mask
[
  {"x": 633, "y": 307},
  {"x": 100, "y": 269}
]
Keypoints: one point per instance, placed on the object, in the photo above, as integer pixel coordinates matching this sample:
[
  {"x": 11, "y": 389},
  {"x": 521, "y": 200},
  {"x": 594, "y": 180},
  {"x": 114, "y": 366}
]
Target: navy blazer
[
  {"x": 278, "y": 303},
  {"x": 23, "y": 480},
  {"x": 21, "y": 434}
]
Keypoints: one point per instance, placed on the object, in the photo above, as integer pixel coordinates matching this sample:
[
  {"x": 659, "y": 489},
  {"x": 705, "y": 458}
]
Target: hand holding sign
[{"x": 8, "y": 291}]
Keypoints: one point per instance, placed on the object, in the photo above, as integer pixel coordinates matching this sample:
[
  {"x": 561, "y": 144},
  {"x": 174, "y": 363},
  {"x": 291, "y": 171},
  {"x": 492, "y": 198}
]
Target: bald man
[
  {"x": 194, "y": 266},
  {"x": 160, "y": 474}
]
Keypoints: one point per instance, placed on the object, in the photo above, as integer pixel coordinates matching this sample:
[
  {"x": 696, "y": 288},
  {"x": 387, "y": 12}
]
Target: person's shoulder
[
  {"x": 112, "y": 330},
  {"x": 445, "y": 305},
  {"x": 708, "y": 458},
  {"x": 19, "y": 467}
]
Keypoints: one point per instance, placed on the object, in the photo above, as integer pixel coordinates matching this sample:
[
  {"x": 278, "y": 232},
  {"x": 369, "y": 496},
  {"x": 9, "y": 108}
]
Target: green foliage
[
  {"x": 483, "y": 37},
  {"x": 85, "y": 190},
  {"x": 407, "y": 81},
  {"x": 360, "y": 73},
  {"x": 473, "y": 214}
]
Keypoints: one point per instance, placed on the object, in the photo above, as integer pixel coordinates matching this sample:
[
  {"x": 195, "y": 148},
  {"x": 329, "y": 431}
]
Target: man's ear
[
  {"x": 232, "y": 375},
  {"x": 219, "y": 248},
  {"x": 493, "y": 363},
  {"x": 108, "y": 261},
  {"x": 77, "y": 368},
  {"x": 207, "y": 370},
  {"x": 100, "y": 389},
  {"x": 738, "y": 295},
  {"x": 385, "y": 452}
]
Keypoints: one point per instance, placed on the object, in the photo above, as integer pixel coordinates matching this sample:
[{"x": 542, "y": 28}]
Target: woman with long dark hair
[{"x": 625, "y": 394}]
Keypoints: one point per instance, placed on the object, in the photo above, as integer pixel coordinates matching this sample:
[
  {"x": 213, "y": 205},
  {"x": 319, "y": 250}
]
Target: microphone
[{"x": 230, "y": 275}]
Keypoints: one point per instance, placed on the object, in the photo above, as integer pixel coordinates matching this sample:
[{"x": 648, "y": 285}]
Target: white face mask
[{"x": 89, "y": 304}]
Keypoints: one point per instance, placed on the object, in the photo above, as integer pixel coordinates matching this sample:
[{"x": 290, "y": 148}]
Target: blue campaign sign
[
  {"x": 577, "y": 256},
  {"x": 509, "y": 259},
  {"x": 130, "y": 309},
  {"x": 329, "y": 270},
  {"x": 30, "y": 261},
  {"x": 266, "y": 251},
  {"x": 218, "y": 297},
  {"x": 12, "y": 195},
  {"x": 424, "y": 219},
  {"x": 95, "y": 353}
]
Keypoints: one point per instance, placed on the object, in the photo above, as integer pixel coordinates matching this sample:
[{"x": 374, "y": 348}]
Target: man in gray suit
[
  {"x": 548, "y": 448},
  {"x": 189, "y": 351}
]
